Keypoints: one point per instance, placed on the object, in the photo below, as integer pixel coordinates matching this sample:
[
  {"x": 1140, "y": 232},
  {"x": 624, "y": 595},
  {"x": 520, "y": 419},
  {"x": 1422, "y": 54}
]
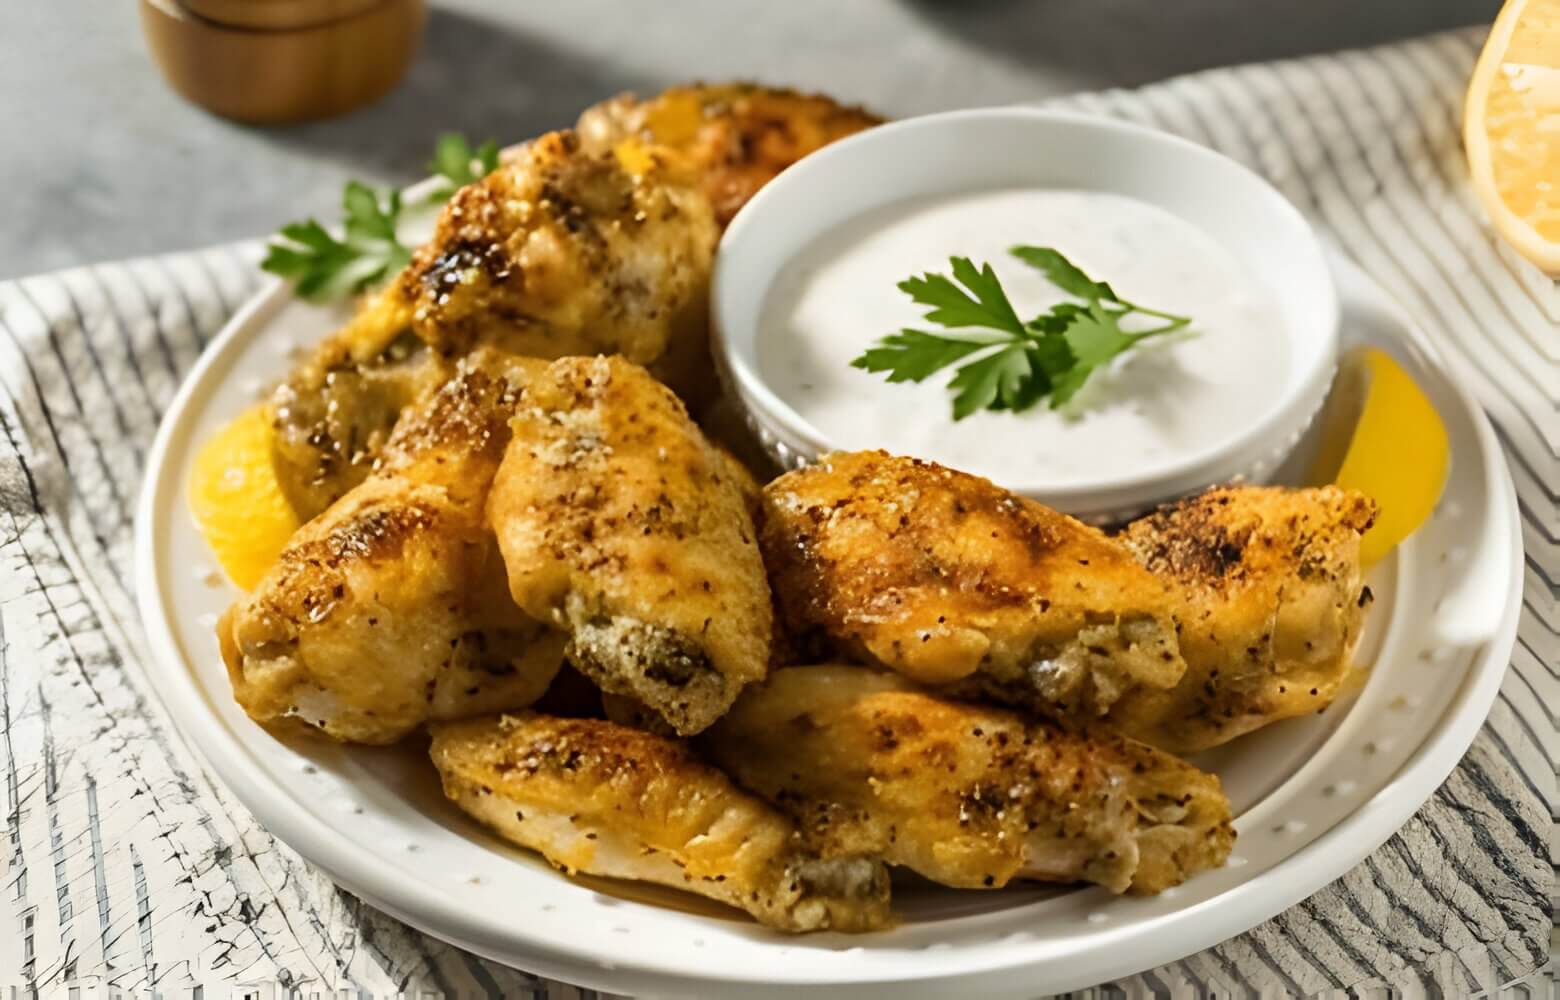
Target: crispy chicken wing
[
  {"x": 621, "y": 523},
  {"x": 565, "y": 252},
  {"x": 1268, "y": 590},
  {"x": 336, "y": 408},
  {"x": 947, "y": 579},
  {"x": 391, "y": 608},
  {"x": 736, "y": 137},
  {"x": 559, "y": 252},
  {"x": 966, "y": 795},
  {"x": 592, "y": 796}
]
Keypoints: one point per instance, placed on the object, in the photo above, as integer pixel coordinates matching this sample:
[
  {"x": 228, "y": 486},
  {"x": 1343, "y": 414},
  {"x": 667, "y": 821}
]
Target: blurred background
[{"x": 103, "y": 160}]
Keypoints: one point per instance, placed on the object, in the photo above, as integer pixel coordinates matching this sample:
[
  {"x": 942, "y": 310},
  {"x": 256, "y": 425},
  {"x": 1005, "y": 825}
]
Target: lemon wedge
[
  {"x": 1383, "y": 437},
  {"x": 236, "y": 499},
  {"x": 1511, "y": 129}
]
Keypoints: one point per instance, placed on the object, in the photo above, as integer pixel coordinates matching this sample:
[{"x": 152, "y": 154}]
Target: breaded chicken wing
[
  {"x": 947, "y": 579},
  {"x": 965, "y": 795},
  {"x": 561, "y": 252},
  {"x": 336, "y": 408},
  {"x": 619, "y": 522},
  {"x": 735, "y": 137},
  {"x": 558, "y": 252},
  {"x": 391, "y": 608},
  {"x": 1268, "y": 590},
  {"x": 592, "y": 796}
]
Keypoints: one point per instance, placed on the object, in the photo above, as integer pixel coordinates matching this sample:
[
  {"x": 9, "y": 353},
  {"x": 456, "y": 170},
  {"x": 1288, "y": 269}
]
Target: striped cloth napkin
[{"x": 127, "y": 866}]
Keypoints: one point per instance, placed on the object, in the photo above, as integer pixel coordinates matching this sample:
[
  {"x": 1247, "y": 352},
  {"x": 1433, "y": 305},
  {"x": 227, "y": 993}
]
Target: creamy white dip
[{"x": 1166, "y": 400}]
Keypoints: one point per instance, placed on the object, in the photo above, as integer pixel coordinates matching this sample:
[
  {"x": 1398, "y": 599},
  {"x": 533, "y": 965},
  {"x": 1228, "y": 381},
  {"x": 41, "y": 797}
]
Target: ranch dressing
[{"x": 1165, "y": 400}]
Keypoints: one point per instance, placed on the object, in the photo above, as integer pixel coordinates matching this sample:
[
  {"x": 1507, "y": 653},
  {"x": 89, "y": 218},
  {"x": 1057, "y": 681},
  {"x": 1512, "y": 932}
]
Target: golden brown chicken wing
[
  {"x": 1268, "y": 590},
  {"x": 946, "y": 578},
  {"x": 592, "y": 796},
  {"x": 391, "y": 607},
  {"x": 965, "y": 795},
  {"x": 337, "y": 407},
  {"x": 565, "y": 252},
  {"x": 735, "y": 137},
  {"x": 620, "y": 523},
  {"x": 558, "y": 252}
]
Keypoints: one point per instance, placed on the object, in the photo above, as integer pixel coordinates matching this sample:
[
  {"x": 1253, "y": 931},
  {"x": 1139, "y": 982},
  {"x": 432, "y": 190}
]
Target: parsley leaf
[
  {"x": 1057, "y": 320},
  {"x": 912, "y": 355},
  {"x": 1069, "y": 277},
  {"x": 369, "y": 252},
  {"x": 1064, "y": 274},
  {"x": 999, "y": 381},
  {"x": 1094, "y": 338},
  {"x": 459, "y": 164},
  {"x": 953, "y": 306},
  {"x": 1012, "y": 365},
  {"x": 327, "y": 268}
]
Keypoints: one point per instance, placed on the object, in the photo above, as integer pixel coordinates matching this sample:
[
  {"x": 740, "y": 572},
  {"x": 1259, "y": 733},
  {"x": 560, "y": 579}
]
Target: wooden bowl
[
  {"x": 276, "y": 15},
  {"x": 290, "y": 74}
]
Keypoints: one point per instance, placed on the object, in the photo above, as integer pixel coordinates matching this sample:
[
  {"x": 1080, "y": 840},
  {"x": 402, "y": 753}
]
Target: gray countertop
[{"x": 101, "y": 160}]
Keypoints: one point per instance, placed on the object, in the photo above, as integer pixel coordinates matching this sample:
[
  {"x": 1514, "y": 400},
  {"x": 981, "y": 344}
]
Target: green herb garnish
[
  {"x": 327, "y": 268},
  {"x": 456, "y": 162},
  {"x": 1019, "y": 362}
]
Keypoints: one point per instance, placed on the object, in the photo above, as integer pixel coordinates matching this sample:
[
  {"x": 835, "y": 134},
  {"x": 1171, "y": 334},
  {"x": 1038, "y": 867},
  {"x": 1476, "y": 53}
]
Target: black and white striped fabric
[{"x": 126, "y": 865}]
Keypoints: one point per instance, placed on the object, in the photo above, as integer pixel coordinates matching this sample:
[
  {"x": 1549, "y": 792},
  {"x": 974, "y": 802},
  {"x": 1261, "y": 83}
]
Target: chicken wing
[
  {"x": 735, "y": 137},
  {"x": 336, "y": 408},
  {"x": 946, "y": 578},
  {"x": 391, "y": 608},
  {"x": 558, "y": 252},
  {"x": 965, "y": 795},
  {"x": 619, "y": 522},
  {"x": 1268, "y": 589},
  {"x": 592, "y": 796}
]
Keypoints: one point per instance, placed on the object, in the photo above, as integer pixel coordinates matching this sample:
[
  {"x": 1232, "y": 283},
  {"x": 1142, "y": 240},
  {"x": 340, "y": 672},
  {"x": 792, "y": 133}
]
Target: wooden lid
[
  {"x": 283, "y": 75},
  {"x": 276, "y": 15}
]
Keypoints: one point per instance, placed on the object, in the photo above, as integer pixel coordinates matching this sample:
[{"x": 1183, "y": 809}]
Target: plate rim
[{"x": 1235, "y": 911}]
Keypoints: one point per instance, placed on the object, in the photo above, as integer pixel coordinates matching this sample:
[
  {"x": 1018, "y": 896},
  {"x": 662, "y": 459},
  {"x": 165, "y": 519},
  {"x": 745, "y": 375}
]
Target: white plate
[{"x": 1313, "y": 795}]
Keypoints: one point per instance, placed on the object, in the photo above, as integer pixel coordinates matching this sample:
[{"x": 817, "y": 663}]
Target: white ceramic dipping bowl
[{"x": 995, "y": 148}]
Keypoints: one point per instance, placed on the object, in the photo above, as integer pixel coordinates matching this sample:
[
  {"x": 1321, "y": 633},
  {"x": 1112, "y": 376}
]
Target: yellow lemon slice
[
  {"x": 1396, "y": 453},
  {"x": 1511, "y": 129},
  {"x": 237, "y": 502}
]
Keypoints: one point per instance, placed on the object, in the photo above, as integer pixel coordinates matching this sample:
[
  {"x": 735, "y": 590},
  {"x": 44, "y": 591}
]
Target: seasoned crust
[
  {"x": 337, "y": 407},
  {"x": 562, "y": 251},
  {"x": 593, "y": 796},
  {"x": 967, "y": 795},
  {"x": 619, "y": 521},
  {"x": 1220, "y": 541},
  {"x": 390, "y": 607},
  {"x": 946, "y": 578},
  {"x": 1270, "y": 596},
  {"x": 734, "y": 137}
]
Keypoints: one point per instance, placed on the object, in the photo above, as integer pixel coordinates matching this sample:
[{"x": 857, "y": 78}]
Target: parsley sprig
[
  {"x": 369, "y": 251},
  {"x": 458, "y": 164},
  {"x": 1014, "y": 363}
]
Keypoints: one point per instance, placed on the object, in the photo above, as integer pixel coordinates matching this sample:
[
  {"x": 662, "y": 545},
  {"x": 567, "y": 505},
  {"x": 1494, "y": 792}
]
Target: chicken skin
[
  {"x": 947, "y": 579},
  {"x": 592, "y": 796},
  {"x": 564, "y": 252},
  {"x": 733, "y": 137},
  {"x": 1268, "y": 590},
  {"x": 965, "y": 795},
  {"x": 336, "y": 408},
  {"x": 391, "y": 608},
  {"x": 560, "y": 251},
  {"x": 620, "y": 523}
]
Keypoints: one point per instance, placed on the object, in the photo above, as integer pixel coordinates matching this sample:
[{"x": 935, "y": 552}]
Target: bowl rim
[{"x": 1278, "y": 427}]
